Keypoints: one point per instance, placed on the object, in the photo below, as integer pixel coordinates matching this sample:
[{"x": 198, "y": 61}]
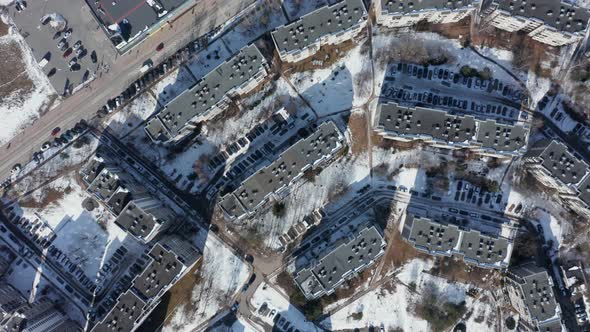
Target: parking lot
[
  {"x": 436, "y": 86},
  {"x": 43, "y": 40},
  {"x": 134, "y": 17}
]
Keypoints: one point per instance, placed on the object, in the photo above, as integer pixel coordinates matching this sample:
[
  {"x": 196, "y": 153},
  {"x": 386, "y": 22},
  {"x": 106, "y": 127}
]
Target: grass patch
[{"x": 13, "y": 74}]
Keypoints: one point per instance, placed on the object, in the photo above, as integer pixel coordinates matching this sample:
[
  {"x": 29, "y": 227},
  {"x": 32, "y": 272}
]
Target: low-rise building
[
  {"x": 552, "y": 22},
  {"x": 555, "y": 166},
  {"x": 343, "y": 260},
  {"x": 444, "y": 130},
  {"x": 445, "y": 239},
  {"x": 530, "y": 289},
  {"x": 328, "y": 25},
  {"x": 307, "y": 153},
  {"x": 403, "y": 13},
  {"x": 145, "y": 218},
  {"x": 209, "y": 96}
]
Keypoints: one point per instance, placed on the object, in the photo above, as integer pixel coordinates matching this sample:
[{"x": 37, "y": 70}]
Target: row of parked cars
[
  {"x": 70, "y": 267},
  {"x": 35, "y": 230}
]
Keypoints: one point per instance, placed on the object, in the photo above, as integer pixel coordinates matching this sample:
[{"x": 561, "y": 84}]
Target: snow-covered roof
[
  {"x": 411, "y": 6},
  {"x": 562, "y": 16},
  {"x": 324, "y": 21}
]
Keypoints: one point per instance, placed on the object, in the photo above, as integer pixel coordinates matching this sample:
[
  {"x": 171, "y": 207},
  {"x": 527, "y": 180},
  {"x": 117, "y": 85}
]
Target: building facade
[
  {"x": 328, "y": 25},
  {"x": 402, "y": 13},
  {"x": 552, "y": 22}
]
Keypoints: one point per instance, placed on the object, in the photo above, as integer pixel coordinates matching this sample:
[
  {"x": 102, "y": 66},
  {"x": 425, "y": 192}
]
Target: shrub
[
  {"x": 357, "y": 315},
  {"x": 279, "y": 209}
]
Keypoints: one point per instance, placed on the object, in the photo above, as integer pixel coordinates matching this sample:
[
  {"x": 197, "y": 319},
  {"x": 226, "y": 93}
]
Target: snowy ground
[
  {"x": 133, "y": 115},
  {"x": 221, "y": 277},
  {"x": 392, "y": 307},
  {"x": 265, "y": 17},
  {"x": 173, "y": 85},
  {"x": 278, "y": 303},
  {"x": 21, "y": 107}
]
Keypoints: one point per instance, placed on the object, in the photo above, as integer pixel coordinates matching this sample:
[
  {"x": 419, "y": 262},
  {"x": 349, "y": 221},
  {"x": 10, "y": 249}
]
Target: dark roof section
[
  {"x": 431, "y": 235},
  {"x": 323, "y": 21},
  {"x": 106, "y": 183},
  {"x": 92, "y": 169},
  {"x": 159, "y": 273},
  {"x": 119, "y": 200},
  {"x": 560, "y": 15},
  {"x": 558, "y": 161},
  {"x": 123, "y": 316},
  {"x": 207, "y": 92},
  {"x": 292, "y": 162},
  {"x": 423, "y": 121},
  {"x": 409, "y": 6},
  {"x": 483, "y": 249},
  {"x": 536, "y": 289},
  {"x": 501, "y": 137},
  {"x": 351, "y": 254},
  {"x": 584, "y": 189},
  {"x": 141, "y": 221}
]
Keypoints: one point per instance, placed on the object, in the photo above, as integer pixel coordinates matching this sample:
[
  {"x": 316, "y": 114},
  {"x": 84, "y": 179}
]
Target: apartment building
[
  {"x": 406, "y": 13},
  {"x": 445, "y": 239},
  {"x": 552, "y": 22},
  {"x": 145, "y": 217},
  {"x": 340, "y": 262},
  {"x": 169, "y": 260},
  {"x": 328, "y": 25},
  {"x": 530, "y": 289},
  {"x": 16, "y": 314},
  {"x": 444, "y": 130},
  {"x": 210, "y": 96},
  {"x": 318, "y": 148},
  {"x": 554, "y": 165}
]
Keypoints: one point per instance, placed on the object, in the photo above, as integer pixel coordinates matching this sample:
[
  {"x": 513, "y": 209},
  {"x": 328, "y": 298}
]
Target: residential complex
[
  {"x": 555, "y": 166},
  {"x": 209, "y": 96},
  {"x": 319, "y": 147},
  {"x": 552, "y": 22},
  {"x": 328, "y": 25},
  {"x": 169, "y": 260},
  {"x": 445, "y": 130},
  {"x": 403, "y": 13},
  {"x": 137, "y": 212},
  {"x": 340, "y": 262},
  {"x": 530, "y": 289},
  {"x": 441, "y": 238}
]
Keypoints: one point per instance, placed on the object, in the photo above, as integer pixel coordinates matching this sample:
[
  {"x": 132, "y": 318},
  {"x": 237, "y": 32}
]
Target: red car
[
  {"x": 68, "y": 52},
  {"x": 55, "y": 131},
  {"x": 160, "y": 47}
]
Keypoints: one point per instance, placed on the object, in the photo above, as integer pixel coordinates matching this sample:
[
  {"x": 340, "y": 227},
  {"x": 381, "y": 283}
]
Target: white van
[{"x": 43, "y": 62}]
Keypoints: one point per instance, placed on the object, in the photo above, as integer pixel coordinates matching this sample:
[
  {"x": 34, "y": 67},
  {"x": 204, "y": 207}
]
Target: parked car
[
  {"x": 55, "y": 131},
  {"x": 77, "y": 44},
  {"x": 67, "y": 53}
]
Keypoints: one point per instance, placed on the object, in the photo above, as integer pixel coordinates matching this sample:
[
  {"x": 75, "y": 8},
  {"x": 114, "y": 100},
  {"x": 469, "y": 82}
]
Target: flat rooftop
[
  {"x": 501, "y": 137},
  {"x": 291, "y": 163},
  {"x": 206, "y": 93},
  {"x": 134, "y": 16},
  {"x": 584, "y": 189},
  {"x": 431, "y": 235},
  {"x": 163, "y": 268},
  {"x": 559, "y": 162},
  {"x": 562, "y": 16},
  {"x": 409, "y": 6},
  {"x": 123, "y": 315},
  {"x": 483, "y": 248},
  {"x": 323, "y": 21},
  {"x": 537, "y": 289}
]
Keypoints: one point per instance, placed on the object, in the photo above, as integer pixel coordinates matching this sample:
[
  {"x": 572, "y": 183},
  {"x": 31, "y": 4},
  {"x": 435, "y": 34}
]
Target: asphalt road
[{"x": 197, "y": 21}]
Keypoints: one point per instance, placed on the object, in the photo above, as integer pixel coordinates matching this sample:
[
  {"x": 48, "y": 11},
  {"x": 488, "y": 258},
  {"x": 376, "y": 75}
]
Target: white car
[{"x": 45, "y": 146}]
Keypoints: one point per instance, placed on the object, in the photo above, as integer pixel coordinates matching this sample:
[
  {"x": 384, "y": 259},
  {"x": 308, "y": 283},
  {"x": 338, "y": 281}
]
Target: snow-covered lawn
[
  {"x": 265, "y": 16},
  {"x": 392, "y": 306},
  {"x": 221, "y": 277},
  {"x": 21, "y": 106},
  {"x": 277, "y": 302},
  {"x": 173, "y": 85},
  {"x": 133, "y": 114}
]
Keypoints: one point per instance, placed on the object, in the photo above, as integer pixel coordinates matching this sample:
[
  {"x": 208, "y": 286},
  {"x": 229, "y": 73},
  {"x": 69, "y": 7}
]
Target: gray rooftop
[
  {"x": 501, "y": 137},
  {"x": 483, "y": 249},
  {"x": 206, "y": 93},
  {"x": 106, "y": 183},
  {"x": 159, "y": 273},
  {"x": 123, "y": 316},
  {"x": 535, "y": 289},
  {"x": 326, "y": 20},
  {"x": 119, "y": 200},
  {"x": 426, "y": 122},
  {"x": 558, "y": 161},
  {"x": 560, "y": 15},
  {"x": 409, "y": 6},
  {"x": 431, "y": 235},
  {"x": 292, "y": 162},
  {"x": 141, "y": 221},
  {"x": 92, "y": 169},
  {"x": 584, "y": 189},
  {"x": 354, "y": 253}
]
